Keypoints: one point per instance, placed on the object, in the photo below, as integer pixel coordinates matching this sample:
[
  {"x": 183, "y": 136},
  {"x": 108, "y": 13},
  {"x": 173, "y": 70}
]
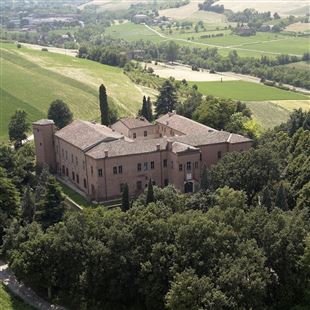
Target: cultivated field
[
  {"x": 10, "y": 302},
  {"x": 298, "y": 27},
  {"x": 110, "y": 5},
  {"x": 246, "y": 91},
  {"x": 31, "y": 79},
  {"x": 283, "y": 7}
]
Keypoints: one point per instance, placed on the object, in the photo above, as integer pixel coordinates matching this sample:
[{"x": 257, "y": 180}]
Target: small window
[
  {"x": 200, "y": 157},
  {"x": 196, "y": 164},
  {"x": 219, "y": 154},
  {"x": 139, "y": 185},
  {"x": 139, "y": 167},
  {"x": 85, "y": 184},
  {"x": 63, "y": 170},
  {"x": 114, "y": 170},
  {"x": 171, "y": 164},
  {"x": 134, "y": 135},
  {"x": 77, "y": 179},
  {"x": 165, "y": 162},
  {"x": 62, "y": 153},
  {"x": 100, "y": 172},
  {"x": 76, "y": 161},
  {"x": 83, "y": 164},
  {"x": 73, "y": 176},
  {"x": 120, "y": 169},
  {"x": 166, "y": 182},
  {"x": 153, "y": 182},
  {"x": 67, "y": 172},
  {"x": 91, "y": 170},
  {"x": 145, "y": 166},
  {"x": 189, "y": 165},
  {"x": 152, "y": 165},
  {"x": 66, "y": 155},
  {"x": 180, "y": 167},
  {"x": 72, "y": 158},
  {"x": 145, "y": 133}
]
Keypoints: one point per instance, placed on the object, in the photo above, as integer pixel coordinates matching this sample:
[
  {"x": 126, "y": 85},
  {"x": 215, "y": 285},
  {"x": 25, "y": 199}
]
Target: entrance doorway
[{"x": 189, "y": 187}]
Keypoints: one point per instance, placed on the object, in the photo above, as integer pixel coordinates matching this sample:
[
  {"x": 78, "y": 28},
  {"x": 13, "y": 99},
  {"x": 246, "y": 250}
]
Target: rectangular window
[
  {"x": 72, "y": 158},
  {"x": 76, "y": 161},
  {"x": 57, "y": 148},
  {"x": 67, "y": 172},
  {"x": 66, "y": 155},
  {"x": 114, "y": 170},
  {"x": 134, "y": 135},
  {"x": 100, "y": 172},
  {"x": 145, "y": 166},
  {"x": 63, "y": 170},
  {"x": 120, "y": 169},
  {"x": 77, "y": 179},
  {"x": 91, "y": 170},
  {"x": 139, "y": 185},
  {"x": 189, "y": 165},
  {"x": 62, "y": 153},
  {"x": 180, "y": 167},
  {"x": 85, "y": 184},
  {"x": 73, "y": 176},
  {"x": 154, "y": 183},
  {"x": 152, "y": 165},
  {"x": 139, "y": 168},
  {"x": 171, "y": 164},
  {"x": 196, "y": 164},
  {"x": 219, "y": 154},
  {"x": 83, "y": 164},
  {"x": 145, "y": 133},
  {"x": 166, "y": 182},
  {"x": 165, "y": 162}
]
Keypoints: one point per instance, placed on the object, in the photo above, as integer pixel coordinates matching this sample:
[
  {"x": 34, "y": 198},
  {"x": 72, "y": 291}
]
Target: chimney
[
  {"x": 106, "y": 153},
  {"x": 158, "y": 147}
]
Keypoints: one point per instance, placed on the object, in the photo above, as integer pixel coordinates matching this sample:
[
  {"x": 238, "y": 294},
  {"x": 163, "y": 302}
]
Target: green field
[
  {"x": 246, "y": 91},
  {"x": 10, "y": 302},
  {"x": 31, "y": 79}
]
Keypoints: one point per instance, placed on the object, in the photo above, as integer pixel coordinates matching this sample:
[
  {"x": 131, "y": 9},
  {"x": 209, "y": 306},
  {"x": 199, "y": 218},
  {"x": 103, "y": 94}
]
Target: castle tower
[{"x": 43, "y": 131}]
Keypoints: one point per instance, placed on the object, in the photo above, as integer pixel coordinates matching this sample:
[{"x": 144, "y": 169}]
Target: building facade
[{"x": 99, "y": 160}]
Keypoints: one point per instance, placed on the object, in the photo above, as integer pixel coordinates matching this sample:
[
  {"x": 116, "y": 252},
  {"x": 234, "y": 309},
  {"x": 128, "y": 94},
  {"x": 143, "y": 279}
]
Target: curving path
[{"x": 19, "y": 289}]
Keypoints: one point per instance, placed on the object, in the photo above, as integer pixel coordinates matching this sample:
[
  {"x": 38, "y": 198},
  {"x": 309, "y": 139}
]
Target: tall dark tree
[
  {"x": 144, "y": 110},
  {"x": 28, "y": 206},
  {"x": 306, "y": 124},
  {"x": 166, "y": 100},
  {"x": 281, "y": 199},
  {"x": 125, "y": 198},
  {"x": 51, "y": 208},
  {"x": 18, "y": 128},
  {"x": 172, "y": 51},
  {"x": 149, "y": 109},
  {"x": 150, "y": 193},
  {"x": 205, "y": 179},
  {"x": 60, "y": 113},
  {"x": 266, "y": 199},
  {"x": 104, "y": 106}
]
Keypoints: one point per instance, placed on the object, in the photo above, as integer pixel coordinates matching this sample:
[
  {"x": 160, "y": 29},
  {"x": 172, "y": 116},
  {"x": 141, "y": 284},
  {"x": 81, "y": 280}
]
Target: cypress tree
[
  {"x": 125, "y": 198},
  {"x": 281, "y": 201},
  {"x": 166, "y": 100},
  {"x": 205, "y": 179},
  {"x": 104, "y": 106},
  {"x": 150, "y": 193},
  {"x": 144, "y": 110},
  {"x": 149, "y": 109},
  {"x": 266, "y": 198},
  {"x": 28, "y": 206}
]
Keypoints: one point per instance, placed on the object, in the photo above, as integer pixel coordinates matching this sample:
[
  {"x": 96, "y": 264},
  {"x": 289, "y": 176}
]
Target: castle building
[{"x": 99, "y": 160}]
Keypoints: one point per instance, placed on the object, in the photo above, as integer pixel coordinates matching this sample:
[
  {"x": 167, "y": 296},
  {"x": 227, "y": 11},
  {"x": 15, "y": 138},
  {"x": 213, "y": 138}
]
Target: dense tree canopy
[{"x": 60, "y": 113}]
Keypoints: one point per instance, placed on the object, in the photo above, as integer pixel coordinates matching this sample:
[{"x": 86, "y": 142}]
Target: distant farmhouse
[{"x": 98, "y": 160}]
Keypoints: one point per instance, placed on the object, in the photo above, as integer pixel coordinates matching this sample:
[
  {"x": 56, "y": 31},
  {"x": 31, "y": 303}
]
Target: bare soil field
[
  {"x": 281, "y": 6},
  {"x": 180, "y": 72},
  {"x": 110, "y": 5},
  {"x": 298, "y": 27},
  {"x": 183, "y": 12}
]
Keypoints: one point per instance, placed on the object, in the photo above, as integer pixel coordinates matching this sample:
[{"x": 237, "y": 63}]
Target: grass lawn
[
  {"x": 31, "y": 79},
  {"x": 246, "y": 91},
  {"x": 9, "y": 302}
]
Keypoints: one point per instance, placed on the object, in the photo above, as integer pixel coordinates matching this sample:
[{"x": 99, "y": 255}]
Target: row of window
[
  {"x": 64, "y": 154},
  {"x": 74, "y": 176},
  {"x": 134, "y": 135}
]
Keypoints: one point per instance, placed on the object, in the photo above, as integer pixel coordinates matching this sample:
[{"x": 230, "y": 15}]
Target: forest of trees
[{"x": 242, "y": 242}]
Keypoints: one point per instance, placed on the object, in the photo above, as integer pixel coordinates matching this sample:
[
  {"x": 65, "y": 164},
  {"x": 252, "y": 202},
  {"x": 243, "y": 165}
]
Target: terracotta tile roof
[
  {"x": 183, "y": 124},
  {"x": 135, "y": 122},
  {"x": 84, "y": 135},
  {"x": 43, "y": 122},
  {"x": 178, "y": 147}
]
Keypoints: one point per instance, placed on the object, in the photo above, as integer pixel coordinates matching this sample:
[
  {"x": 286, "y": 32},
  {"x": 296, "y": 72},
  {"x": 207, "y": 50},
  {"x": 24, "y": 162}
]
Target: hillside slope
[{"x": 31, "y": 79}]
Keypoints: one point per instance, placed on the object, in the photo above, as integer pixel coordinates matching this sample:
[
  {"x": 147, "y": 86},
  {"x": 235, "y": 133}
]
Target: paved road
[{"x": 25, "y": 293}]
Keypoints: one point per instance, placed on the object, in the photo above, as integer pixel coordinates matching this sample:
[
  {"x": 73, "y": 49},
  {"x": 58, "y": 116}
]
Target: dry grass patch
[
  {"x": 298, "y": 27},
  {"x": 290, "y": 105}
]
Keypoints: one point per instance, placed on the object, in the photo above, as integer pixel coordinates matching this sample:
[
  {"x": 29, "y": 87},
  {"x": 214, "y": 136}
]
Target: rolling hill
[{"x": 31, "y": 79}]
